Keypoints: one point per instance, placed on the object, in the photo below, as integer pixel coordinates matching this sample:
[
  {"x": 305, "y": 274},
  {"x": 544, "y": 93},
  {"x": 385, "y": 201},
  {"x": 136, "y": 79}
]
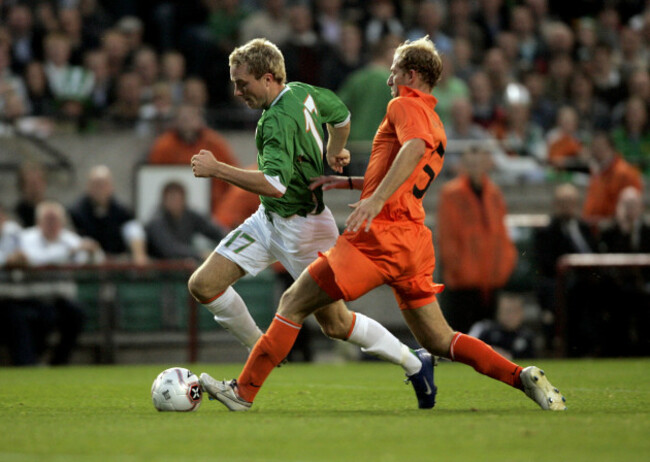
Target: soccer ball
[{"x": 176, "y": 389}]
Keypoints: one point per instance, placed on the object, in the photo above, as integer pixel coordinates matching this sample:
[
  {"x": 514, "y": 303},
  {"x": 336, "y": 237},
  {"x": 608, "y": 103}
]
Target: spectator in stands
[
  {"x": 39, "y": 95},
  {"x": 173, "y": 72},
  {"x": 71, "y": 85},
  {"x": 156, "y": 116},
  {"x": 370, "y": 79},
  {"x": 72, "y": 27},
  {"x": 485, "y": 106},
  {"x": 632, "y": 137},
  {"x": 125, "y": 111},
  {"x": 610, "y": 174},
  {"x": 382, "y": 21},
  {"x": 26, "y": 38},
  {"x": 99, "y": 215},
  {"x": 492, "y": 18},
  {"x": 132, "y": 29},
  {"x": 224, "y": 21},
  {"x": 329, "y": 21},
  {"x": 101, "y": 95},
  {"x": 542, "y": 109},
  {"x": 499, "y": 71},
  {"x": 565, "y": 150},
  {"x": 460, "y": 24},
  {"x": 429, "y": 17},
  {"x": 507, "y": 334},
  {"x": 630, "y": 55},
  {"x": 477, "y": 255},
  {"x": 115, "y": 45},
  {"x": 172, "y": 231},
  {"x": 608, "y": 81},
  {"x": 145, "y": 64},
  {"x": 630, "y": 291},
  {"x": 637, "y": 86},
  {"x": 464, "y": 68},
  {"x": 9, "y": 82},
  {"x": 629, "y": 233},
  {"x": 593, "y": 114},
  {"x": 560, "y": 71},
  {"x": 303, "y": 50},
  {"x": 50, "y": 243},
  {"x": 25, "y": 322},
  {"x": 195, "y": 92},
  {"x": 449, "y": 89},
  {"x": 462, "y": 132},
  {"x": 346, "y": 57},
  {"x": 566, "y": 233},
  {"x": 188, "y": 135},
  {"x": 520, "y": 139},
  {"x": 32, "y": 189},
  {"x": 529, "y": 44},
  {"x": 270, "y": 22}
]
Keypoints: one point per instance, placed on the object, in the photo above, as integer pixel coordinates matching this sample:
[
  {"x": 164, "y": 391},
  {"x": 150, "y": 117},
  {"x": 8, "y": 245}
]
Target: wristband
[{"x": 350, "y": 182}]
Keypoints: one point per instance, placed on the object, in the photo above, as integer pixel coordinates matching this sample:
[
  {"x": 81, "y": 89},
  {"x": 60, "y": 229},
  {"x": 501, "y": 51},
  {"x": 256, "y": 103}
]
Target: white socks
[
  {"x": 231, "y": 312},
  {"x": 375, "y": 339}
]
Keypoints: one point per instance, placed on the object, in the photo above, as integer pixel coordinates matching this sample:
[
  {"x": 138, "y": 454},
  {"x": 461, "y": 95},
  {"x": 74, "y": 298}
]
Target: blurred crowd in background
[
  {"x": 533, "y": 91},
  {"x": 537, "y": 76}
]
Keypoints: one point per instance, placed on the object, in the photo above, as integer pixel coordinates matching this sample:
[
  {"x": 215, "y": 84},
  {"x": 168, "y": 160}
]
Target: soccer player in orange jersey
[{"x": 386, "y": 242}]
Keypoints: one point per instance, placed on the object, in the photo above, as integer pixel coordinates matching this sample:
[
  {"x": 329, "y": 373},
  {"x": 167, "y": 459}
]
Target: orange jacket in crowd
[
  {"x": 605, "y": 186},
  {"x": 563, "y": 147},
  {"x": 169, "y": 148},
  {"x": 475, "y": 249}
]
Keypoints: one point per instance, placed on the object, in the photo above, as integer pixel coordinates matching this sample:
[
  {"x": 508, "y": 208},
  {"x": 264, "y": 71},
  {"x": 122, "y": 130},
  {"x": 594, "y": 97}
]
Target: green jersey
[{"x": 290, "y": 149}]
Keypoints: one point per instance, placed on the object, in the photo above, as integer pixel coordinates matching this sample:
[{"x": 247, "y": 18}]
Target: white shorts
[{"x": 294, "y": 241}]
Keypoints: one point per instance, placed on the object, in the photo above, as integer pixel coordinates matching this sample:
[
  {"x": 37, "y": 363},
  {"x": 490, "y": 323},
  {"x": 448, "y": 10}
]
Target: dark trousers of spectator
[
  {"x": 27, "y": 324},
  {"x": 463, "y": 307},
  {"x": 69, "y": 321}
]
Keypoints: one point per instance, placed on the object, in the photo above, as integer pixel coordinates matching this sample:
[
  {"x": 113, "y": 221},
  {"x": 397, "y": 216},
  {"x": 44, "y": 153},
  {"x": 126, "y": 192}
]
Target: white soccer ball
[{"x": 176, "y": 389}]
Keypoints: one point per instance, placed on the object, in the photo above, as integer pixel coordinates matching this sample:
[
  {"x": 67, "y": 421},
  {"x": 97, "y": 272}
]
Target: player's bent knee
[
  {"x": 202, "y": 287},
  {"x": 335, "y": 330}
]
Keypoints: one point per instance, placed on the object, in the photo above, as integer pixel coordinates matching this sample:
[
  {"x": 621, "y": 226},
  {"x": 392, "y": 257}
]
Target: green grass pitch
[{"x": 358, "y": 412}]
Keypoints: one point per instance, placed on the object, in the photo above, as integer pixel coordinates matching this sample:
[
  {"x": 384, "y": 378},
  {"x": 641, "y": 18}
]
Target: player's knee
[
  {"x": 335, "y": 330},
  {"x": 201, "y": 286}
]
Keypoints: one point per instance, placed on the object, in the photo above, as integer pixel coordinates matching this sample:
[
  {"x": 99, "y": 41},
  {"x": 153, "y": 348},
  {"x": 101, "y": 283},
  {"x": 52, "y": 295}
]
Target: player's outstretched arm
[
  {"x": 336, "y": 182},
  {"x": 206, "y": 165}
]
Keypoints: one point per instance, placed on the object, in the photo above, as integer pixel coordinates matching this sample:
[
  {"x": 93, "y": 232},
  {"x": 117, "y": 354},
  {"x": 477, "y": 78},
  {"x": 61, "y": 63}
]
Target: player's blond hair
[
  {"x": 262, "y": 57},
  {"x": 422, "y": 57}
]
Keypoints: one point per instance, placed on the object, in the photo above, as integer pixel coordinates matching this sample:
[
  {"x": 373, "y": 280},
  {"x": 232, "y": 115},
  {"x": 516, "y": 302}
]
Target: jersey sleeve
[
  {"x": 278, "y": 148},
  {"x": 410, "y": 121},
  {"x": 332, "y": 110}
]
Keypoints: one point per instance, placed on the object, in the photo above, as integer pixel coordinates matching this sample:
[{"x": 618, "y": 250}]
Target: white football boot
[
  {"x": 539, "y": 389},
  {"x": 224, "y": 392}
]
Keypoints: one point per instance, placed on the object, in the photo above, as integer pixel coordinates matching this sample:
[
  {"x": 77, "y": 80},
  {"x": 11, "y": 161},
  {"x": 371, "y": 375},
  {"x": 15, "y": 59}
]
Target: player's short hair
[
  {"x": 421, "y": 56},
  {"x": 173, "y": 186},
  {"x": 262, "y": 57}
]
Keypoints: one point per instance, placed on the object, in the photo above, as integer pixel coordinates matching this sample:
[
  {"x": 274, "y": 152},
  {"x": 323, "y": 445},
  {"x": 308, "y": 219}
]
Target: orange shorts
[{"x": 398, "y": 254}]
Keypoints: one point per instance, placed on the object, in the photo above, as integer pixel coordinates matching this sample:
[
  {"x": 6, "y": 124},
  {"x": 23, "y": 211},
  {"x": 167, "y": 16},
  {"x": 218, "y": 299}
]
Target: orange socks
[
  {"x": 269, "y": 351},
  {"x": 473, "y": 352}
]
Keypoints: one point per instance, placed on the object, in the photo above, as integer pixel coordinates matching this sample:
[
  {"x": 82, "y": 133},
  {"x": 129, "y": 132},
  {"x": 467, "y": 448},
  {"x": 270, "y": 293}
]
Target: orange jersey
[
  {"x": 398, "y": 249},
  {"x": 605, "y": 187},
  {"x": 411, "y": 115}
]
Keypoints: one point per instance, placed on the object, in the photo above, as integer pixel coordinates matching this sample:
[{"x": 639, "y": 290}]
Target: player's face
[
  {"x": 398, "y": 76},
  {"x": 254, "y": 92}
]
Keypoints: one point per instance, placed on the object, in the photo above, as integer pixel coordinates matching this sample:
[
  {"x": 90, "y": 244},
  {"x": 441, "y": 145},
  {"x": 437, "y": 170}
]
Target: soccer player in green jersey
[{"x": 292, "y": 223}]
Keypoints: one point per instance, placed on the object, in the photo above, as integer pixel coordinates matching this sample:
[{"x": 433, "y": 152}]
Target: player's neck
[{"x": 274, "y": 92}]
